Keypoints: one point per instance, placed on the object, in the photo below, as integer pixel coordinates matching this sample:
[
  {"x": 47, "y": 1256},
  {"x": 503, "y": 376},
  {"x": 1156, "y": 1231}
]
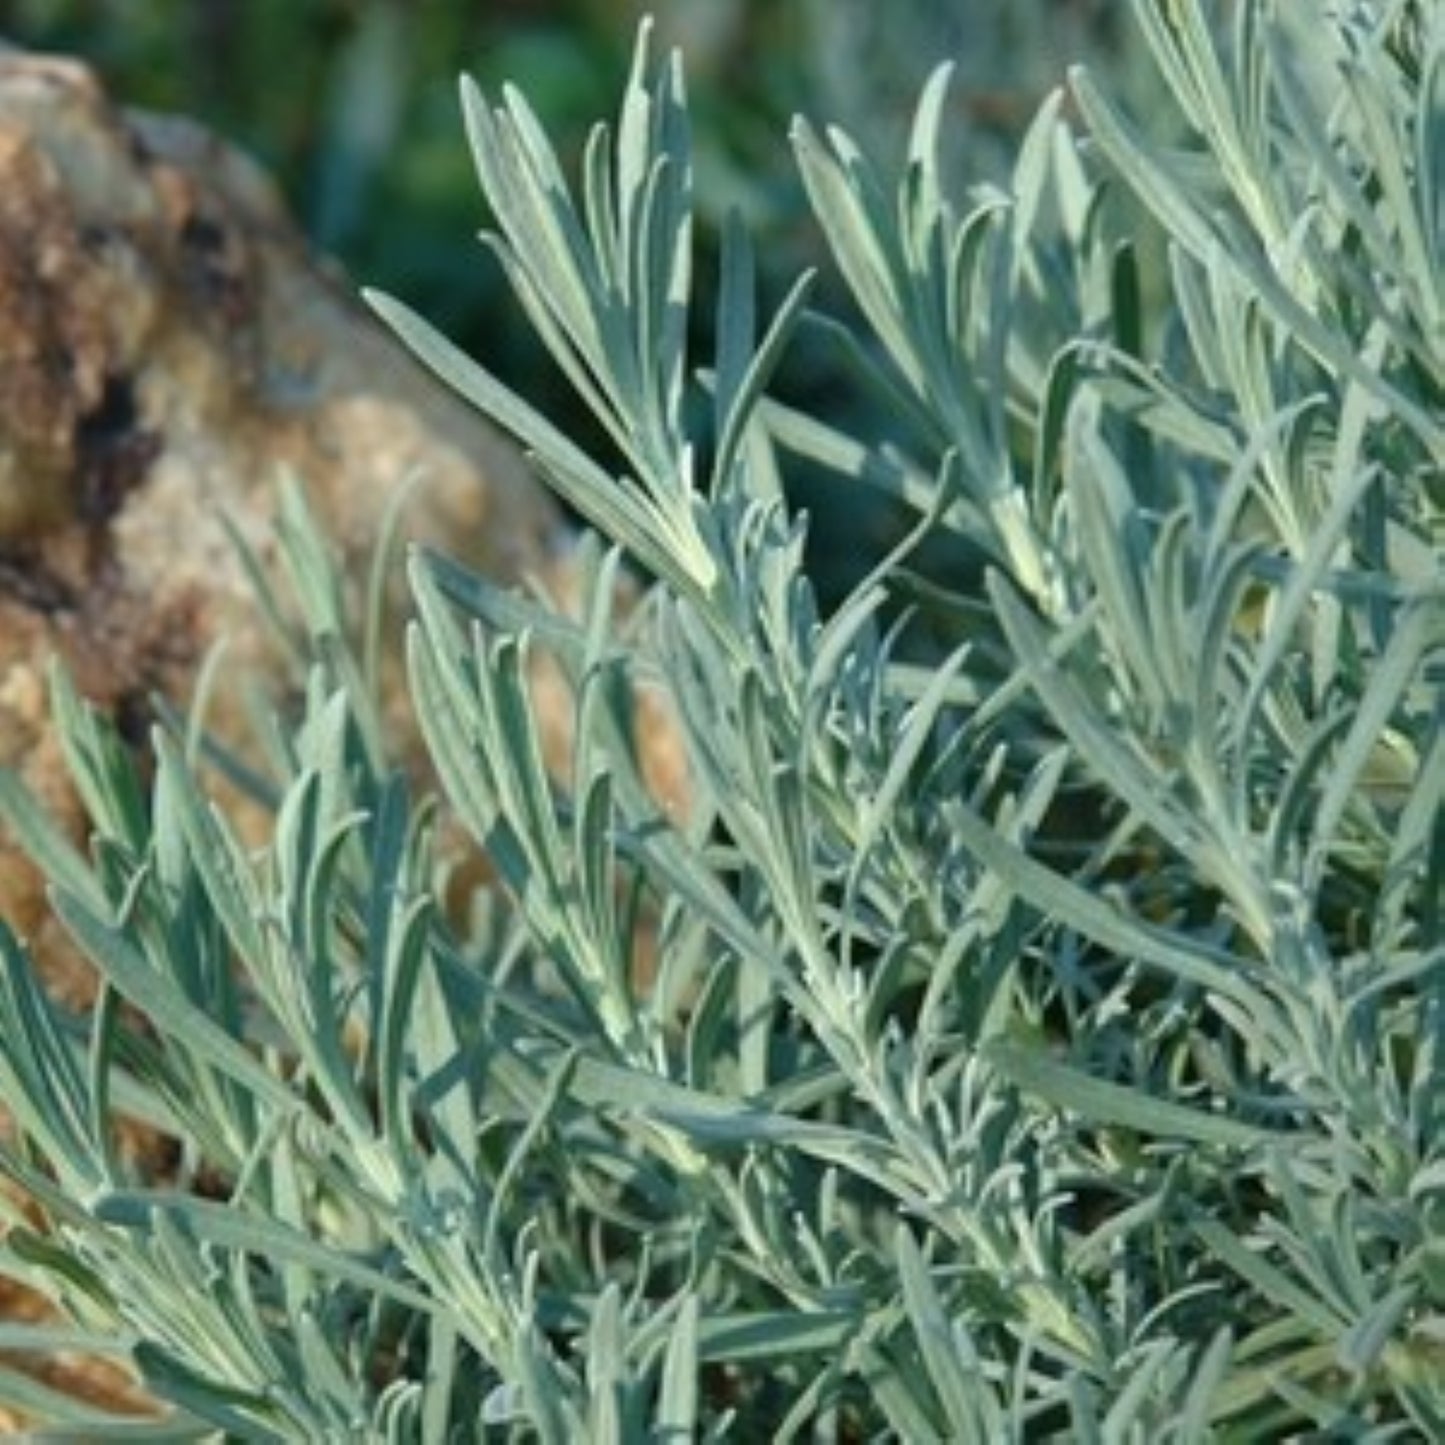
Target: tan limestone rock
[{"x": 170, "y": 348}]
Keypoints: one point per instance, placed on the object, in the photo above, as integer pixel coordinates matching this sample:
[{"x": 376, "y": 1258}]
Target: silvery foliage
[{"x": 1044, "y": 1034}]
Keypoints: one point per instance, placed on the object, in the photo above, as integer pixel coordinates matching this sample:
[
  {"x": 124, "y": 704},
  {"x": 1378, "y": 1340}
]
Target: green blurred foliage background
[{"x": 352, "y": 104}]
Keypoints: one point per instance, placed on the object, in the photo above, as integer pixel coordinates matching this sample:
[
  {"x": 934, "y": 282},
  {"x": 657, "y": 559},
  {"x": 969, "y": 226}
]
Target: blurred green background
[{"x": 352, "y": 104}]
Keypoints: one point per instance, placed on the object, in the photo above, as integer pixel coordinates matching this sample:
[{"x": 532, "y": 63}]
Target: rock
[{"x": 170, "y": 350}]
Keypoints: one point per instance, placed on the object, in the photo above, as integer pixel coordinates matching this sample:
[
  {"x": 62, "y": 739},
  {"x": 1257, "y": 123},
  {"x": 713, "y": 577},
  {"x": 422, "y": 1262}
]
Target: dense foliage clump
[{"x": 1029, "y": 1024}]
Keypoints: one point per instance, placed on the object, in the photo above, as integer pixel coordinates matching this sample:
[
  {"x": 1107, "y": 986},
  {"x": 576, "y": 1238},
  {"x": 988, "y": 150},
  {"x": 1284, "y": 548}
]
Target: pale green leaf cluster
[{"x": 1030, "y": 1025}]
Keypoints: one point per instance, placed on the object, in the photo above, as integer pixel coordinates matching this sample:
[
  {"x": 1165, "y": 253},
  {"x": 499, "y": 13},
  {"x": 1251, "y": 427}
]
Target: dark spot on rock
[
  {"x": 113, "y": 453},
  {"x": 212, "y": 267},
  {"x": 30, "y": 582},
  {"x": 141, "y": 151},
  {"x": 95, "y": 238},
  {"x": 201, "y": 233}
]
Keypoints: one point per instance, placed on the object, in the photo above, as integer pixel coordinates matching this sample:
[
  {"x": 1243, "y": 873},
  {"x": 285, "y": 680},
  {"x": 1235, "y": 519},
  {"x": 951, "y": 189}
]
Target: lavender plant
[{"x": 1045, "y": 1034}]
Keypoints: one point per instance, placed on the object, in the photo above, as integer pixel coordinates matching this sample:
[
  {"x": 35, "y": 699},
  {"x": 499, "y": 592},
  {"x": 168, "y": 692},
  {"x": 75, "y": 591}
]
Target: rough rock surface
[{"x": 169, "y": 349}]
